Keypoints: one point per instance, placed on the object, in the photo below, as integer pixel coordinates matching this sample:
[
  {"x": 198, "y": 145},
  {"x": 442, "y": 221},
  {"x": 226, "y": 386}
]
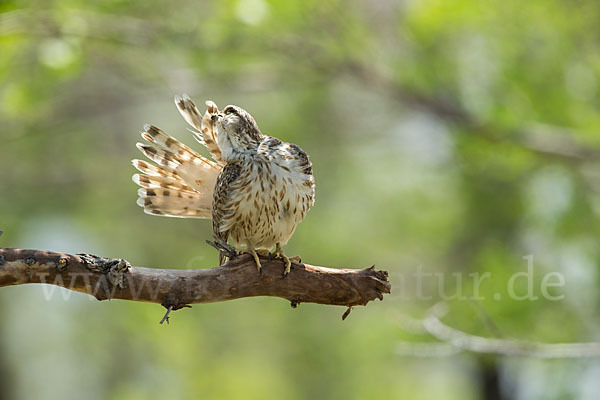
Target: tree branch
[
  {"x": 106, "y": 278},
  {"x": 552, "y": 142},
  {"x": 452, "y": 341}
]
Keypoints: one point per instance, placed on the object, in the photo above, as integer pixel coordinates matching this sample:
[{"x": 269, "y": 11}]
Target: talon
[
  {"x": 288, "y": 266},
  {"x": 285, "y": 259}
]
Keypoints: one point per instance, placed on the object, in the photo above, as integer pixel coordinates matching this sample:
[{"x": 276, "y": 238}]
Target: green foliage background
[{"x": 451, "y": 137}]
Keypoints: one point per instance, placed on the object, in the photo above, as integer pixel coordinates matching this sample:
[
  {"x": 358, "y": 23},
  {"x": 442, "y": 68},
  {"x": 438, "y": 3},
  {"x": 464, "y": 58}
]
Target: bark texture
[{"x": 106, "y": 278}]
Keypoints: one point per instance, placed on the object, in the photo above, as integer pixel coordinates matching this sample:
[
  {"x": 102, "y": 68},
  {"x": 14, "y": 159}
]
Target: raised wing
[{"x": 207, "y": 131}]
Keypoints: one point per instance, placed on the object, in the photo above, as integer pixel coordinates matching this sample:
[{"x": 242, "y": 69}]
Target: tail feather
[
  {"x": 175, "y": 207},
  {"x": 162, "y": 157},
  {"x": 160, "y": 192},
  {"x": 155, "y": 135},
  {"x": 182, "y": 183},
  {"x": 197, "y": 171},
  {"x": 154, "y": 170},
  {"x": 155, "y": 182}
]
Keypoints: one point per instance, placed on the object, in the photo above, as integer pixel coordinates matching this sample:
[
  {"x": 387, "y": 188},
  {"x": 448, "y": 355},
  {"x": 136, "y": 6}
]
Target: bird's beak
[{"x": 215, "y": 117}]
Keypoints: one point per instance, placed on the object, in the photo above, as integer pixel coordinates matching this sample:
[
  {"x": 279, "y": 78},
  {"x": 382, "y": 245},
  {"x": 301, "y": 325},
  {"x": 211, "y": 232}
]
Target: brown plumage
[{"x": 256, "y": 191}]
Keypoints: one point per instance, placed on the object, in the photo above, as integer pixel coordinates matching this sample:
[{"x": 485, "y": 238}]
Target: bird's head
[{"x": 237, "y": 132}]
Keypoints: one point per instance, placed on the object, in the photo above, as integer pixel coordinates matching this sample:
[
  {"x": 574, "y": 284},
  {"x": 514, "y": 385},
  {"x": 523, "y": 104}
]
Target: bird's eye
[{"x": 230, "y": 110}]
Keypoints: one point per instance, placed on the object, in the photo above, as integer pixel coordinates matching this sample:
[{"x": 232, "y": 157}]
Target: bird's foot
[
  {"x": 287, "y": 260},
  {"x": 257, "y": 261},
  {"x": 255, "y": 254}
]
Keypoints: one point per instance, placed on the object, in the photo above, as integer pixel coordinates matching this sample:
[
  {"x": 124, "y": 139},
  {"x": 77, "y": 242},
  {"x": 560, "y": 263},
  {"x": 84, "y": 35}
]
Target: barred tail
[{"x": 182, "y": 182}]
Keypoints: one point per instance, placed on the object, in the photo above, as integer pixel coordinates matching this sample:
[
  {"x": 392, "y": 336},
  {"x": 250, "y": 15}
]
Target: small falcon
[{"x": 256, "y": 189}]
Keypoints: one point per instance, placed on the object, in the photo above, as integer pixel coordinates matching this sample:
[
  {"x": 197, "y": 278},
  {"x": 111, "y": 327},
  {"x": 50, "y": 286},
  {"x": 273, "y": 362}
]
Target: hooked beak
[{"x": 215, "y": 117}]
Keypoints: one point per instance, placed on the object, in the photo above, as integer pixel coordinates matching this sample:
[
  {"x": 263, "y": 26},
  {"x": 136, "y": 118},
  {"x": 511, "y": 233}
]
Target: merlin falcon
[{"x": 256, "y": 188}]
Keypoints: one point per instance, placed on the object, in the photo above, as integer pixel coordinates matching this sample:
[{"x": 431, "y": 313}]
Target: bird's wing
[
  {"x": 207, "y": 131},
  {"x": 223, "y": 207},
  {"x": 223, "y": 213}
]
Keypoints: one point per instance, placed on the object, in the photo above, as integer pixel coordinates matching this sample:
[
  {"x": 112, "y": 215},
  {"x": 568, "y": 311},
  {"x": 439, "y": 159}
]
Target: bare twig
[
  {"x": 348, "y": 311},
  {"x": 166, "y": 317},
  {"x": 477, "y": 344},
  {"x": 106, "y": 278}
]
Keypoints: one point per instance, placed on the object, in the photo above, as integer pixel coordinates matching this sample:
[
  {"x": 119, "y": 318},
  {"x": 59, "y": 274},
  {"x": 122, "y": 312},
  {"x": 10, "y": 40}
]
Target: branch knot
[{"x": 114, "y": 268}]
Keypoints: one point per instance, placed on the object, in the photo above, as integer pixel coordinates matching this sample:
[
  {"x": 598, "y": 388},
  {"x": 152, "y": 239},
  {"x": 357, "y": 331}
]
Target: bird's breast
[{"x": 271, "y": 200}]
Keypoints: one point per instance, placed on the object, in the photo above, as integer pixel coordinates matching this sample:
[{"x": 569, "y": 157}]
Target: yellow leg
[
  {"x": 255, "y": 254},
  {"x": 258, "y": 265},
  {"x": 286, "y": 260}
]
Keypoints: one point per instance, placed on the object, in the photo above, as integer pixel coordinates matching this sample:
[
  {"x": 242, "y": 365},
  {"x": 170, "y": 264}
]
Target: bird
[{"x": 256, "y": 189}]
